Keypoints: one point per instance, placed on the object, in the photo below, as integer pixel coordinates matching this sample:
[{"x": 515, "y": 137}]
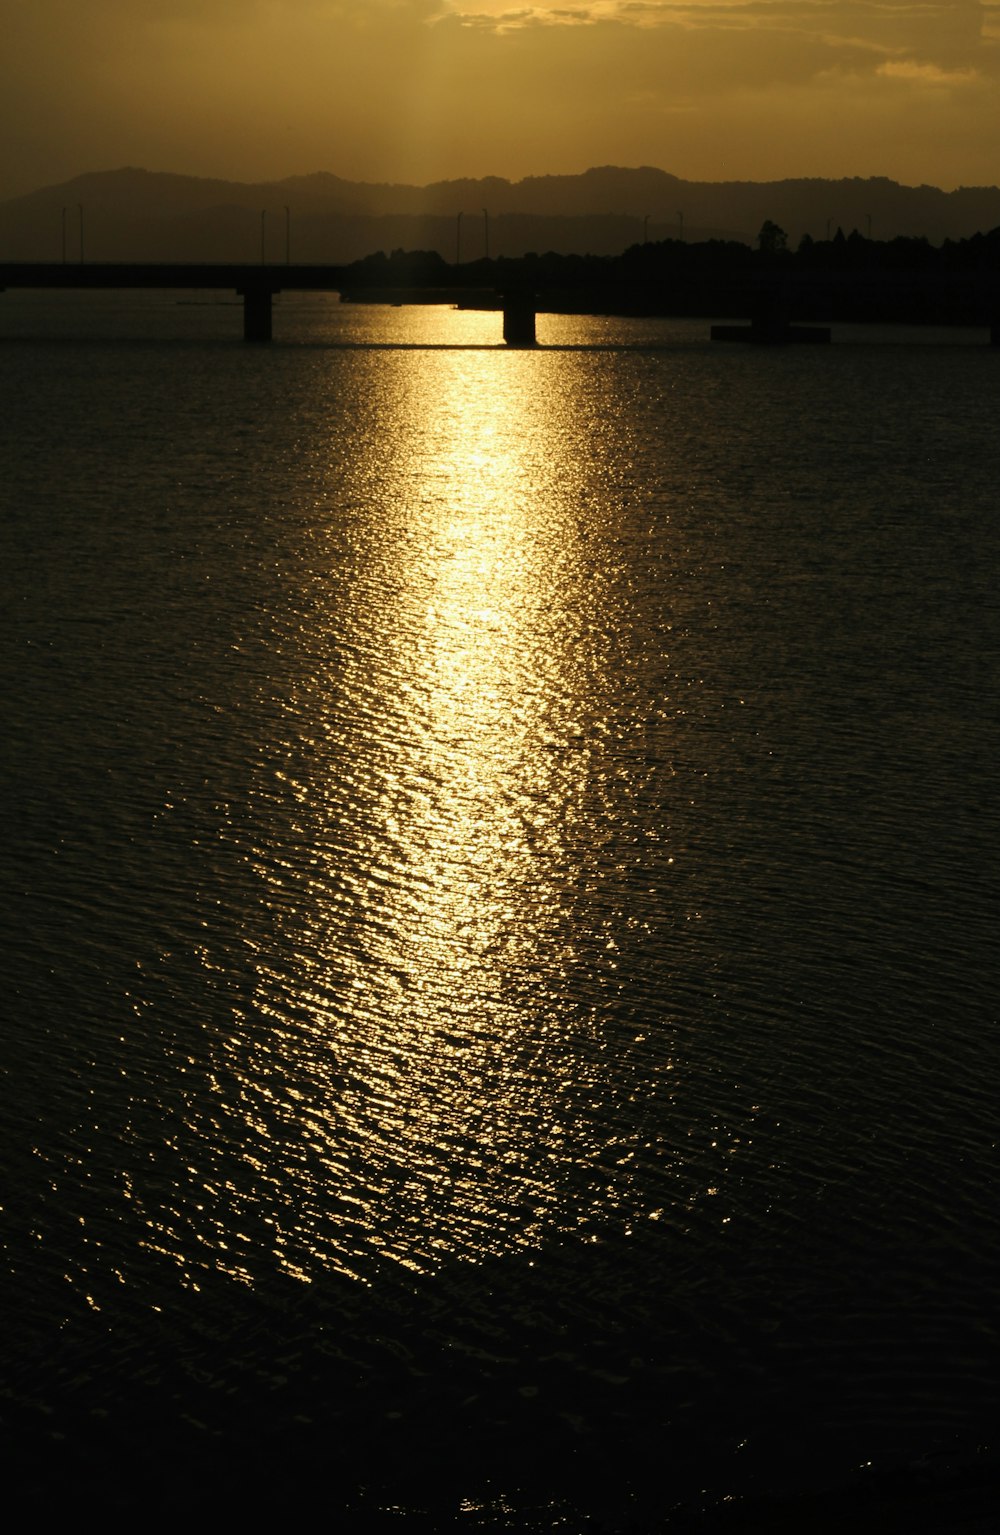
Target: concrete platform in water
[{"x": 770, "y": 334}]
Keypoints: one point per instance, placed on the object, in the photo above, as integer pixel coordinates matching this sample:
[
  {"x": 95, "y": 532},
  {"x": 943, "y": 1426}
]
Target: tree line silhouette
[{"x": 845, "y": 277}]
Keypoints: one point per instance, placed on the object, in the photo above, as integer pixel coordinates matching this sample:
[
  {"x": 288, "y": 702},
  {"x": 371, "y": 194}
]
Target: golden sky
[{"x": 424, "y": 90}]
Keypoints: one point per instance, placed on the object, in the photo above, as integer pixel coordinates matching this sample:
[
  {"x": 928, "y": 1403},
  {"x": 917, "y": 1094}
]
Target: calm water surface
[{"x": 498, "y": 895}]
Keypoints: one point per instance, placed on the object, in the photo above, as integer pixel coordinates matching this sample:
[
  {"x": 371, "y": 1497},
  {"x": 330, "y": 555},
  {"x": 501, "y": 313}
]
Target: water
[{"x": 499, "y": 894}]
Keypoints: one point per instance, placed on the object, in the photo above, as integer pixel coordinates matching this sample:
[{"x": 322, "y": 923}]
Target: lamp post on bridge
[
  {"x": 458, "y": 240},
  {"x": 486, "y": 232},
  {"x": 288, "y": 236}
]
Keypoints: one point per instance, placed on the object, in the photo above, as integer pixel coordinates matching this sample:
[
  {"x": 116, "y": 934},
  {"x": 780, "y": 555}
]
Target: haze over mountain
[{"x": 133, "y": 214}]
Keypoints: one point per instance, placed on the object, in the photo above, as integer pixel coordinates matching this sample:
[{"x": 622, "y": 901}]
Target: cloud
[
  {"x": 926, "y": 74},
  {"x": 923, "y": 28}
]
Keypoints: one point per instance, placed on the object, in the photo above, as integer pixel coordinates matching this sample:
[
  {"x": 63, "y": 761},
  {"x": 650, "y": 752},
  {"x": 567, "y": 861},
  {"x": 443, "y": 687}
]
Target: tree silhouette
[{"x": 771, "y": 238}]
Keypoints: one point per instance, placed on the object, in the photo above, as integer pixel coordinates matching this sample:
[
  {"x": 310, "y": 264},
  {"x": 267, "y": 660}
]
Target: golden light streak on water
[{"x": 413, "y": 1083}]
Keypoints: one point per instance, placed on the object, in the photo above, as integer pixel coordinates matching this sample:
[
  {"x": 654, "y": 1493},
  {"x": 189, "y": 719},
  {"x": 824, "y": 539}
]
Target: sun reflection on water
[{"x": 416, "y": 1067}]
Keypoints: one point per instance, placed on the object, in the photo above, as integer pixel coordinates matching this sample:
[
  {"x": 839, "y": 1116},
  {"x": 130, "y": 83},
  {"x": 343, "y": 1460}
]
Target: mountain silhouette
[{"x": 134, "y": 214}]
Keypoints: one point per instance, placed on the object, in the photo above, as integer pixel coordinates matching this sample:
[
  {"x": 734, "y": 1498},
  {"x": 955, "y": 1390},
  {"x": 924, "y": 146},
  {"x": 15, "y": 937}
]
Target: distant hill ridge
[{"x": 137, "y": 214}]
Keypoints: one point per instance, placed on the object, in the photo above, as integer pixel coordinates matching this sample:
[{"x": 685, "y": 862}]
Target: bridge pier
[
  {"x": 519, "y": 319},
  {"x": 771, "y": 323},
  {"x": 257, "y": 320}
]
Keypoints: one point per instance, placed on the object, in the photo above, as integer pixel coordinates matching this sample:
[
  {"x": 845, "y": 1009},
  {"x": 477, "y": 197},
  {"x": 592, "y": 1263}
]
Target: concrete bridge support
[
  {"x": 519, "y": 319},
  {"x": 256, "y": 313}
]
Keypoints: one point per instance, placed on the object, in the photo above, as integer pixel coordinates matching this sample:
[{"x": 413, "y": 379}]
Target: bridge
[
  {"x": 767, "y": 300},
  {"x": 255, "y": 284}
]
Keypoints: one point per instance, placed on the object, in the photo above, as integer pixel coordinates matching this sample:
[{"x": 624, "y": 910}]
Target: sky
[{"x": 426, "y": 90}]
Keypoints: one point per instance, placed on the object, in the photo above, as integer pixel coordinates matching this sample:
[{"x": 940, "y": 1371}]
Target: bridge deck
[
  {"x": 273, "y": 278},
  {"x": 257, "y": 283}
]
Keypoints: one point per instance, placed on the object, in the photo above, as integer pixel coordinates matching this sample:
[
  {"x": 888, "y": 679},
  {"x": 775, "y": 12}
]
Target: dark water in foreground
[{"x": 499, "y": 903}]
